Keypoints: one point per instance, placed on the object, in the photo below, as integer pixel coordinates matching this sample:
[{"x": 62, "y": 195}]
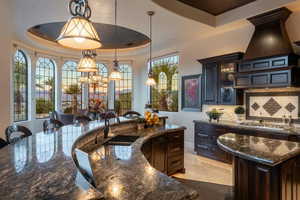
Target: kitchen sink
[{"x": 125, "y": 140}]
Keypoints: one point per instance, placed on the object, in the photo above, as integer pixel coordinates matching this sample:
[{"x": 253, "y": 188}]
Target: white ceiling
[{"x": 168, "y": 27}]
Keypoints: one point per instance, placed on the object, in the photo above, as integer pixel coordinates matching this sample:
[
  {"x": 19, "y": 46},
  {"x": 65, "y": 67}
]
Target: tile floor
[{"x": 206, "y": 170}]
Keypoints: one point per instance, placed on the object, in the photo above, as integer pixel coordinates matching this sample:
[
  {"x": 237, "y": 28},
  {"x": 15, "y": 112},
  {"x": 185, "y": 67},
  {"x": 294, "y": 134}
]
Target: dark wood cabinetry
[
  {"x": 218, "y": 80},
  {"x": 166, "y": 153},
  {"x": 209, "y": 82},
  {"x": 271, "y": 72},
  {"x": 206, "y": 142},
  {"x": 206, "y": 135}
]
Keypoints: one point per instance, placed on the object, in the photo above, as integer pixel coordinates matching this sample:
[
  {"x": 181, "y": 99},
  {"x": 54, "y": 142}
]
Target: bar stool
[{"x": 16, "y": 132}]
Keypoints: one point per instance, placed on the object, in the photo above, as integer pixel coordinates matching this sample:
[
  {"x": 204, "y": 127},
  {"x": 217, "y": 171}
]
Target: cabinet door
[
  {"x": 159, "y": 149},
  {"x": 210, "y": 83}
]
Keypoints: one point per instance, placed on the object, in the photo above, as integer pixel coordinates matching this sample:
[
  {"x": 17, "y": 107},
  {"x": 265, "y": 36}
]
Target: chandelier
[
  {"x": 87, "y": 63},
  {"x": 150, "y": 80},
  {"x": 79, "y": 32}
]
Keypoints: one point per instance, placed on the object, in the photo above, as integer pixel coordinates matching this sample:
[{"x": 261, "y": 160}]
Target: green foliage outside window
[
  {"x": 44, "y": 106},
  {"x": 165, "y": 97}
]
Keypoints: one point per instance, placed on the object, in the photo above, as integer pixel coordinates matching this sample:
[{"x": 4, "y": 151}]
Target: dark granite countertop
[
  {"x": 233, "y": 124},
  {"x": 41, "y": 167},
  {"x": 122, "y": 172},
  {"x": 258, "y": 149}
]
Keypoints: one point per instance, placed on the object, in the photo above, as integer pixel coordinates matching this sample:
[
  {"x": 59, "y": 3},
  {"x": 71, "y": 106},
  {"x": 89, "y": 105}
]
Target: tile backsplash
[{"x": 272, "y": 105}]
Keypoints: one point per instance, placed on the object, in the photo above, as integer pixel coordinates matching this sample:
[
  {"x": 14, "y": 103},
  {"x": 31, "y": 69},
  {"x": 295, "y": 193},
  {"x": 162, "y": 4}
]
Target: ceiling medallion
[{"x": 79, "y": 32}]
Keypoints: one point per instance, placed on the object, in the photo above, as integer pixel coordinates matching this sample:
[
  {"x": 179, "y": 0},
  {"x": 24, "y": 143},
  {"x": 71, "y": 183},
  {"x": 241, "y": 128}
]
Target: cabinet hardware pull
[
  {"x": 202, "y": 135},
  {"x": 203, "y": 146}
]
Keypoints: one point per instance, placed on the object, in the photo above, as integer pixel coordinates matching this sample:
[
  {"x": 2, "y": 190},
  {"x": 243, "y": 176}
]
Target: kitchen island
[
  {"x": 44, "y": 166},
  {"x": 263, "y": 168}
]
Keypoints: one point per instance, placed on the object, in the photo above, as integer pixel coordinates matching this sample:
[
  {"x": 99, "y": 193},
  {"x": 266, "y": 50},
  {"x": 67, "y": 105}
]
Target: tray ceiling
[{"x": 216, "y": 7}]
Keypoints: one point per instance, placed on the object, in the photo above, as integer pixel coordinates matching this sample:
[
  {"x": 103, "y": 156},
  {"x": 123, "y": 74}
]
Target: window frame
[
  {"x": 54, "y": 86},
  {"x": 26, "y": 86},
  {"x": 62, "y": 83},
  {"x": 161, "y": 60},
  {"x": 131, "y": 83}
]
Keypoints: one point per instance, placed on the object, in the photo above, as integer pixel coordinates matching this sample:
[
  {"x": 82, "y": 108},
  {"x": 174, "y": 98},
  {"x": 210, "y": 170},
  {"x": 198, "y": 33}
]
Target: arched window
[
  {"x": 175, "y": 83},
  {"x": 44, "y": 87},
  {"x": 162, "y": 81},
  {"x": 20, "y": 85},
  {"x": 98, "y": 90},
  {"x": 123, "y": 90},
  {"x": 71, "y": 88},
  {"x": 164, "y": 96}
]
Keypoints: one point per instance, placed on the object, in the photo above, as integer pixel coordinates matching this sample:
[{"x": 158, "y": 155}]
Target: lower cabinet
[{"x": 166, "y": 153}]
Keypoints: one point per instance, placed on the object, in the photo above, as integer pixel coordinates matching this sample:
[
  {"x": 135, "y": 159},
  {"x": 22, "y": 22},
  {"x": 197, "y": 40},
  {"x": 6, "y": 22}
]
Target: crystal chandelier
[
  {"x": 79, "y": 32},
  {"x": 150, "y": 81}
]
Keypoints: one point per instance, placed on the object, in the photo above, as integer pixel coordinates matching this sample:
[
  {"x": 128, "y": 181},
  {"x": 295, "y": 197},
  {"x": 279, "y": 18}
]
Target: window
[
  {"x": 98, "y": 90},
  {"x": 71, "y": 88},
  {"x": 164, "y": 96},
  {"x": 20, "y": 85},
  {"x": 162, "y": 81},
  {"x": 44, "y": 87},
  {"x": 123, "y": 90}
]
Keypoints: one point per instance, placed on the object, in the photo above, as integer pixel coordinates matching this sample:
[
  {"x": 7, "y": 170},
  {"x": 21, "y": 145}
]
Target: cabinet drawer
[
  {"x": 176, "y": 137},
  {"x": 213, "y": 152},
  {"x": 175, "y": 163},
  {"x": 280, "y": 78},
  {"x": 259, "y": 79},
  {"x": 176, "y": 149}
]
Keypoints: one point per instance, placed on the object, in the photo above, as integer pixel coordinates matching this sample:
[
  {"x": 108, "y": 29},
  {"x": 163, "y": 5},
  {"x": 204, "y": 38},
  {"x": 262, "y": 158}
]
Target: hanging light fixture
[
  {"x": 150, "y": 81},
  {"x": 79, "y": 32},
  {"x": 87, "y": 62},
  {"x": 115, "y": 75}
]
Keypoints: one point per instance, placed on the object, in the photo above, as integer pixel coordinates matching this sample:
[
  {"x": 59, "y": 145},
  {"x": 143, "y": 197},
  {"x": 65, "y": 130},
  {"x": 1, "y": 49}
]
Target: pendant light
[
  {"x": 115, "y": 75},
  {"x": 150, "y": 81},
  {"x": 79, "y": 32},
  {"x": 87, "y": 62}
]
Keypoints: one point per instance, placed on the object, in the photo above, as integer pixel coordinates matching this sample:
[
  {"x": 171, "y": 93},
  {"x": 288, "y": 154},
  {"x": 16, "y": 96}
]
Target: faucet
[{"x": 107, "y": 116}]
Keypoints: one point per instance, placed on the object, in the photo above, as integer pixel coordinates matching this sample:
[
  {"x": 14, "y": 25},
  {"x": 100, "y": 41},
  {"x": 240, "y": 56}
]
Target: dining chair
[{"x": 16, "y": 132}]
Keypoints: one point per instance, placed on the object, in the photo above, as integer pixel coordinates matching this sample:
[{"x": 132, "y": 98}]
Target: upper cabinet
[
  {"x": 279, "y": 71},
  {"x": 218, "y": 80}
]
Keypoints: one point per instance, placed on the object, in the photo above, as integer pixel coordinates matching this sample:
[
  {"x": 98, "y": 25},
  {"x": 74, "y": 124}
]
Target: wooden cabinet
[
  {"x": 206, "y": 142},
  {"x": 159, "y": 153},
  {"x": 166, "y": 153},
  {"x": 218, "y": 80},
  {"x": 210, "y": 83}
]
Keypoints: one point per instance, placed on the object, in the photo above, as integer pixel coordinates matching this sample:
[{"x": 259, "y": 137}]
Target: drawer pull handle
[
  {"x": 202, "y": 135},
  {"x": 176, "y": 149},
  {"x": 202, "y": 146},
  {"x": 175, "y": 162}
]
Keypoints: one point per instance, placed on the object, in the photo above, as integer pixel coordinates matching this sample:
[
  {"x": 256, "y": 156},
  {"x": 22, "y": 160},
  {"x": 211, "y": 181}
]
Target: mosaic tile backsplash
[{"x": 273, "y": 106}]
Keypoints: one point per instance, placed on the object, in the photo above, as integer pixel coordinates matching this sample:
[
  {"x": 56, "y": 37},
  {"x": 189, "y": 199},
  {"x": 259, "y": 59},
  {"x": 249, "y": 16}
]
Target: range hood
[{"x": 270, "y": 38}]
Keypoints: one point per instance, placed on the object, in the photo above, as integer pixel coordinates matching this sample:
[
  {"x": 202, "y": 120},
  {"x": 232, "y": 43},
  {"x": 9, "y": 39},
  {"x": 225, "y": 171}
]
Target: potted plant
[
  {"x": 240, "y": 112},
  {"x": 214, "y": 114},
  {"x": 141, "y": 123}
]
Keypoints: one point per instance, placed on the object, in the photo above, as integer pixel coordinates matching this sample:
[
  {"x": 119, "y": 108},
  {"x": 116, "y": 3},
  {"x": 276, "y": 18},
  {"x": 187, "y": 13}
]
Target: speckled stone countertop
[
  {"x": 122, "y": 172},
  {"x": 258, "y": 149},
  {"x": 41, "y": 167},
  {"x": 233, "y": 124}
]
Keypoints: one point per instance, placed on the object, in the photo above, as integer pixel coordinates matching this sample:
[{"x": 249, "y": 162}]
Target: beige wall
[{"x": 5, "y": 64}]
